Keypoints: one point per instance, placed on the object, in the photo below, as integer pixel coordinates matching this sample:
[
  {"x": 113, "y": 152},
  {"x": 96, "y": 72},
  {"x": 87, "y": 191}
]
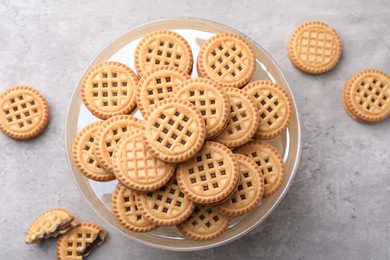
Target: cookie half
[
  {"x": 80, "y": 241},
  {"x": 126, "y": 210},
  {"x": 314, "y": 47},
  {"x": 108, "y": 89},
  {"x": 84, "y": 154},
  {"x": 249, "y": 191},
  {"x": 210, "y": 176},
  {"x": 228, "y": 59},
  {"x": 173, "y": 130},
  {"x": 158, "y": 84},
  {"x": 50, "y": 224},
  {"x": 270, "y": 162},
  {"x": 244, "y": 119},
  {"x": 205, "y": 223},
  {"x": 210, "y": 98},
  {"x": 24, "y": 113},
  {"x": 367, "y": 96},
  {"x": 136, "y": 167},
  {"x": 163, "y": 48},
  {"x": 274, "y": 106},
  {"x": 167, "y": 206}
]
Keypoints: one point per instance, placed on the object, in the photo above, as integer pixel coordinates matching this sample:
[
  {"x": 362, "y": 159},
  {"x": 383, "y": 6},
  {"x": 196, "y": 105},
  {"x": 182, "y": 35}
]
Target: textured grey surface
[{"x": 338, "y": 206}]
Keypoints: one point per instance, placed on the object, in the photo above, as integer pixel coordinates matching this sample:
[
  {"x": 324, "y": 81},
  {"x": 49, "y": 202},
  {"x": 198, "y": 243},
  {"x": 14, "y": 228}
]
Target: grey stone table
[{"x": 339, "y": 204}]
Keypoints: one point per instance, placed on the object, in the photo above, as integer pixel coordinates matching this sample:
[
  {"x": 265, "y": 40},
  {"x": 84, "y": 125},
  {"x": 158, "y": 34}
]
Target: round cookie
[
  {"x": 173, "y": 130},
  {"x": 274, "y": 106},
  {"x": 108, "y": 89},
  {"x": 314, "y": 47},
  {"x": 84, "y": 154},
  {"x": 126, "y": 211},
  {"x": 80, "y": 241},
  {"x": 244, "y": 119},
  {"x": 50, "y": 224},
  {"x": 210, "y": 98},
  {"x": 210, "y": 176},
  {"x": 109, "y": 134},
  {"x": 205, "y": 223},
  {"x": 367, "y": 96},
  {"x": 136, "y": 167},
  {"x": 228, "y": 59},
  {"x": 24, "y": 113},
  {"x": 270, "y": 162},
  {"x": 249, "y": 192},
  {"x": 162, "y": 48},
  {"x": 158, "y": 84},
  {"x": 167, "y": 206}
]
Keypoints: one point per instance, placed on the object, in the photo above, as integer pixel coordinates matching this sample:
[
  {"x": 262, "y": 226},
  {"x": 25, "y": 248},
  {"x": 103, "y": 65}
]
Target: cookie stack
[{"x": 197, "y": 159}]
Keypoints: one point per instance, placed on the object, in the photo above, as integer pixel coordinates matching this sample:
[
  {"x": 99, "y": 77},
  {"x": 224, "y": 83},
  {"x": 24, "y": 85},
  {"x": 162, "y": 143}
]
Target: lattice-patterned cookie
[
  {"x": 210, "y": 176},
  {"x": 80, "y": 241},
  {"x": 50, "y": 224},
  {"x": 367, "y": 96},
  {"x": 211, "y": 99},
  {"x": 270, "y": 162},
  {"x": 205, "y": 223},
  {"x": 84, "y": 154},
  {"x": 157, "y": 84},
  {"x": 314, "y": 47},
  {"x": 227, "y": 59},
  {"x": 274, "y": 106},
  {"x": 24, "y": 113},
  {"x": 126, "y": 210},
  {"x": 136, "y": 167},
  {"x": 162, "y": 48},
  {"x": 173, "y": 130},
  {"x": 109, "y": 134},
  {"x": 167, "y": 206},
  {"x": 249, "y": 191},
  {"x": 108, "y": 89},
  {"x": 244, "y": 119}
]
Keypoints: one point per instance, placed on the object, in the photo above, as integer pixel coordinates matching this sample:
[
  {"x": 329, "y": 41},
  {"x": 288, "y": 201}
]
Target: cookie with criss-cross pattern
[
  {"x": 24, "y": 113},
  {"x": 210, "y": 176},
  {"x": 162, "y": 48},
  {"x": 228, "y": 59},
  {"x": 173, "y": 130},
  {"x": 367, "y": 96},
  {"x": 108, "y": 89},
  {"x": 80, "y": 241},
  {"x": 274, "y": 106}
]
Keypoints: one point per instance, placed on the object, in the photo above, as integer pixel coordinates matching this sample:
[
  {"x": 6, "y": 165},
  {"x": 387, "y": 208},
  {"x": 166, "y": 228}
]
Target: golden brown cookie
[
  {"x": 228, "y": 59},
  {"x": 80, "y": 241},
  {"x": 24, "y": 113},
  {"x": 162, "y": 48},
  {"x": 50, "y": 224},
  {"x": 157, "y": 84},
  {"x": 249, "y": 191},
  {"x": 210, "y": 98},
  {"x": 126, "y": 210},
  {"x": 205, "y": 223},
  {"x": 274, "y": 106},
  {"x": 367, "y": 96},
  {"x": 136, "y": 167},
  {"x": 270, "y": 162},
  {"x": 109, "y": 134},
  {"x": 167, "y": 206},
  {"x": 173, "y": 130},
  {"x": 108, "y": 89},
  {"x": 84, "y": 154},
  {"x": 210, "y": 176},
  {"x": 244, "y": 119},
  {"x": 314, "y": 47}
]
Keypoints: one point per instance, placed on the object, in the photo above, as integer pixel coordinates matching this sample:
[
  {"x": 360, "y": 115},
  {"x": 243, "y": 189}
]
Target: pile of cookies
[{"x": 197, "y": 159}]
